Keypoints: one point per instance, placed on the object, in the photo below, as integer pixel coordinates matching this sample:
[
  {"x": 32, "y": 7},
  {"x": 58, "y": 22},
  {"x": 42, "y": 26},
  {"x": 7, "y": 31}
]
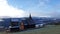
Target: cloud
[
  {"x": 7, "y": 10},
  {"x": 43, "y": 8}
]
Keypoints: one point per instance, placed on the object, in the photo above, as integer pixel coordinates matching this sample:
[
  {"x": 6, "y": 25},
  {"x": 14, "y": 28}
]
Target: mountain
[{"x": 38, "y": 20}]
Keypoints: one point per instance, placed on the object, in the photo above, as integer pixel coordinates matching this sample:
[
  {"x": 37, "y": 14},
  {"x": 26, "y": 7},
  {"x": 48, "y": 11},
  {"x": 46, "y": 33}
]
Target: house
[{"x": 14, "y": 25}]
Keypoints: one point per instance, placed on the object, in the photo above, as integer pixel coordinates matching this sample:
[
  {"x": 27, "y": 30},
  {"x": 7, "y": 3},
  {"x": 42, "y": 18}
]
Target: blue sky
[{"x": 37, "y": 7}]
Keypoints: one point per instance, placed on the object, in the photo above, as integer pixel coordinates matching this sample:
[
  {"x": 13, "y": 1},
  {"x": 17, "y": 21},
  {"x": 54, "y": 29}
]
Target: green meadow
[{"x": 49, "y": 29}]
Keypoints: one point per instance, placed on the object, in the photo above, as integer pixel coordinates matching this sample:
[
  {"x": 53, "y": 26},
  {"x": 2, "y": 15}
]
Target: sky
[{"x": 22, "y": 8}]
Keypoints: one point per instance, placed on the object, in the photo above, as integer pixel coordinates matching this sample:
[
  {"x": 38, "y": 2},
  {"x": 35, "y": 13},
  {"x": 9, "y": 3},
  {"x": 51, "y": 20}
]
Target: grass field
[{"x": 50, "y": 29}]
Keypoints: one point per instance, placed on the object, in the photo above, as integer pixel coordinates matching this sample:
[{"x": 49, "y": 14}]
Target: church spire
[{"x": 30, "y": 16}]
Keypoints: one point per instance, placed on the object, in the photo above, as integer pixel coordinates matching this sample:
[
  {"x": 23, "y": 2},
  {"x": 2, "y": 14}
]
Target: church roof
[{"x": 29, "y": 20}]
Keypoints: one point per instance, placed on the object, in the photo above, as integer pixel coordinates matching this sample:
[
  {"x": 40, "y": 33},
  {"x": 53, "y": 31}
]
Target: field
[{"x": 50, "y": 29}]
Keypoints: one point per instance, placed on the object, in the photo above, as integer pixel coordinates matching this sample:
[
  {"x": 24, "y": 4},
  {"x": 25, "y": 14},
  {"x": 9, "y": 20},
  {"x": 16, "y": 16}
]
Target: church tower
[{"x": 30, "y": 16}]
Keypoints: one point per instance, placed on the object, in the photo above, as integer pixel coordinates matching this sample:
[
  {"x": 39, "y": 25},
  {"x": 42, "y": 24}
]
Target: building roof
[{"x": 28, "y": 20}]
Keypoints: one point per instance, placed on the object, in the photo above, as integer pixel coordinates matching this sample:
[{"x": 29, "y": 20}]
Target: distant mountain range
[{"x": 38, "y": 20}]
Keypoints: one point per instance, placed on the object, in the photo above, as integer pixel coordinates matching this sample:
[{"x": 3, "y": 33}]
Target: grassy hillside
[{"x": 50, "y": 29}]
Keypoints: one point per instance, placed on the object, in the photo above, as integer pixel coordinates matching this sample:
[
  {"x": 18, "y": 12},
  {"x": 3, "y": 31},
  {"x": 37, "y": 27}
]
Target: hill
[{"x": 49, "y": 29}]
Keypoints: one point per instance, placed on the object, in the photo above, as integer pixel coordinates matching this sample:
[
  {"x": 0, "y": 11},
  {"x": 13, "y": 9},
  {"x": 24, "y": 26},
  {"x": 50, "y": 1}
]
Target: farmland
[{"x": 49, "y": 29}]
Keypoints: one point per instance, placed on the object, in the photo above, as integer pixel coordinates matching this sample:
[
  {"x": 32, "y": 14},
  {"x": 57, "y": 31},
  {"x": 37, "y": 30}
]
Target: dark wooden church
[{"x": 27, "y": 23}]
